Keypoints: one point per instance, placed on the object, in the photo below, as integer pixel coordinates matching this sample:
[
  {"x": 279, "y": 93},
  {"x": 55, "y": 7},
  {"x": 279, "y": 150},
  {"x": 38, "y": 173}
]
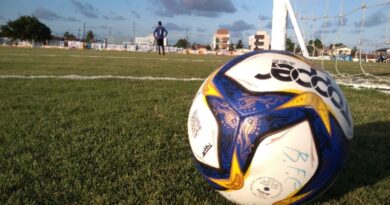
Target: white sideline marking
[
  {"x": 382, "y": 88},
  {"x": 95, "y": 77},
  {"x": 112, "y": 57},
  {"x": 358, "y": 86}
]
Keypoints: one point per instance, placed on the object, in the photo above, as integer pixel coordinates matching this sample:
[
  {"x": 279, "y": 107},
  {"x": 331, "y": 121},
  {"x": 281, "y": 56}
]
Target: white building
[
  {"x": 259, "y": 41},
  {"x": 147, "y": 40},
  {"x": 221, "y": 39},
  {"x": 344, "y": 51}
]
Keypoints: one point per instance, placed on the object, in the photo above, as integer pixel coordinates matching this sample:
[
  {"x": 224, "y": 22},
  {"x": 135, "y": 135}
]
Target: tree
[
  {"x": 90, "y": 37},
  {"x": 314, "y": 47},
  {"x": 310, "y": 47},
  {"x": 26, "y": 28},
  {"x": 208, "y": 47},
  {"x": 318, "y": 44},
  {"x": 337, "y": 45},
  {"x": 70, "y": 37},
  {"x": 290, "y": 45},
  {"x": 239, "y": 44},
  {"x": 181, "y": 43},
  {"x": 354, "y": 51},
  {"x": 231, "y": 47}
]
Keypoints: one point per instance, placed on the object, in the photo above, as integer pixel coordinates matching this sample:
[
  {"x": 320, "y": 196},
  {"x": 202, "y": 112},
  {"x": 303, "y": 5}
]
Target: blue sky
[{"x": 200, "y": 17}]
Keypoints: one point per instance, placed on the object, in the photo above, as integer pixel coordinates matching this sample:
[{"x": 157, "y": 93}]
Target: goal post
[{"x": 282, "y": 9}]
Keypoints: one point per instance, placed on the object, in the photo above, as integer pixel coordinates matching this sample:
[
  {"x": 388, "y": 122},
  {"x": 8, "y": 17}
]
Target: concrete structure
[
  {"x": 115, "y": 39},
  {"x": 148, "y": 40},
  {"x": 221, "y": 39},
  {"x": 345, "y": 51},
  {"x": 383, "y": 55},
  {"x": 260, "y": 41},
  {"x": 383, "y": 51},
  {"x": 201, "y": 49}
]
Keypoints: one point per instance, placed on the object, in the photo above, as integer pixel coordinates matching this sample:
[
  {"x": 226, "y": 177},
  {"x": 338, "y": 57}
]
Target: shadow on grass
[
  {"x": 383, "y": 74},
  {"x": 368, "y": 163}
]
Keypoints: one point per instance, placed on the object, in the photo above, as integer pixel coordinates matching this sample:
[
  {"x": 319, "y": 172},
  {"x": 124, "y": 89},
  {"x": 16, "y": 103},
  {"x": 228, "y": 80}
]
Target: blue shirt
[{"x": 160, "y": 32}]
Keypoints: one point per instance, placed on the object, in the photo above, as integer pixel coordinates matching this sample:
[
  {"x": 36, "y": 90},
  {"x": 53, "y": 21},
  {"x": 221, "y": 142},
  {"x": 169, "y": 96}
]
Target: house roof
[
  {"x": 199, "y": 46},
  {"x": 383, "y": 49},
  {"x": 222, "y": 31}
]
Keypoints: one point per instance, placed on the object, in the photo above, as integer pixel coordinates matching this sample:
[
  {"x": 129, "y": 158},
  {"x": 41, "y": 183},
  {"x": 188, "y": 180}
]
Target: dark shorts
[{"x": 160, "y": 42}]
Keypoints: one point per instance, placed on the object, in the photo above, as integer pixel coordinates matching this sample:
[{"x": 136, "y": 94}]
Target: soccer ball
[{"x": 269, "y": 127}]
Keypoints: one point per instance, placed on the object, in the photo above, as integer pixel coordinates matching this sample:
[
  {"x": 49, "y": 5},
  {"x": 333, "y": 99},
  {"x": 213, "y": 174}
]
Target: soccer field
[{"x": 119, "y": 136}]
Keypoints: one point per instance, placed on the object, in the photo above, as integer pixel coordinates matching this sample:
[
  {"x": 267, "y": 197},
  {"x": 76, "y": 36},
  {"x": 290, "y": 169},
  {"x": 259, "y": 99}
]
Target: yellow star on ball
[
  {"x": 309, "y": 99},
  {"x": 236, "y": 179}
]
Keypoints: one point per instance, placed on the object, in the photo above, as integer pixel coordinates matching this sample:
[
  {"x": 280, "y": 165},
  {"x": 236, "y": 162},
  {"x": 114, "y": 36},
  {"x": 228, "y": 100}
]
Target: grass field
[{"x": 111, "y": 141}]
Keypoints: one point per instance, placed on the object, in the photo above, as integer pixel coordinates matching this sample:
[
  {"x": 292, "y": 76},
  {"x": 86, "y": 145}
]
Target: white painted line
[
  {"x": 382, "y": 88},
  {"x": 111, "y": 57},
  {"x": 96, "y": 77}
]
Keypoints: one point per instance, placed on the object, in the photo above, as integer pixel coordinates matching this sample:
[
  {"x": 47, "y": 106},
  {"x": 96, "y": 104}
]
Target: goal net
[{"x": 350, "y": 39}]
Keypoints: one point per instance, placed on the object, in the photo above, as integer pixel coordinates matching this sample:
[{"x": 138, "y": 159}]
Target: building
[
  {"x": 221, "y": 39},
  {"x": 116, "y": 39},
  {"x": 259, "y": 41},
  {"x": 383, "y": 51},
  {"x": 383, "y": 55},
  {"x": 5, "y": 41},
  {"x": 201, "y": 49},
  {"x": 342, "y": 51}
]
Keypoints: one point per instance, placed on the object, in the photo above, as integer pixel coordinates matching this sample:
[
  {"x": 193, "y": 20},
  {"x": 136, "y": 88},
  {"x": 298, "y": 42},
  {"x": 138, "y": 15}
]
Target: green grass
[
  {"x": 125, "y": 141},
  {"x": 352, "y": 68},
  {"x": 65, "y": 62}
]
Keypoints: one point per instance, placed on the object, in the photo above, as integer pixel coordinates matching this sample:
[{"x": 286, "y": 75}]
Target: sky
[{"x": 199, "y": 19}]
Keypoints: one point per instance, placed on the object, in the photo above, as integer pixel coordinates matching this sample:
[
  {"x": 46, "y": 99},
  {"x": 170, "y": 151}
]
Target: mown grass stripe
[
  {"x": 111, "y": 57},
  {"x": 97, "y": 77}
]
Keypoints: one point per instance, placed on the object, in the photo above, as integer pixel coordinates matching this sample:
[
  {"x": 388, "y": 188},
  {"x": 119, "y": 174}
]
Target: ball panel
[
  {"x": 332, "y": 153},
  {"x": 280, "y": 166},
  {"x": 203, "y": 132}
]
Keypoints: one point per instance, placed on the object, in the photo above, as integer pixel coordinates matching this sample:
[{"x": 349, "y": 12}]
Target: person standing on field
[{"x": 159, "y": 34}]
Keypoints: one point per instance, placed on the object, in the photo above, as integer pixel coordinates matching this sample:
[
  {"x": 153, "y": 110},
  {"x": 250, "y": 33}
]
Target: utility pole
[
  {"x": 133, "y": 32},
  {"x": 84, "y": 32},
  {"x": 187, "y": 37}
]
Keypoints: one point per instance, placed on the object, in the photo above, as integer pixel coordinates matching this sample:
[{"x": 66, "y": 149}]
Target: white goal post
[{"x": 282, "y": 9}]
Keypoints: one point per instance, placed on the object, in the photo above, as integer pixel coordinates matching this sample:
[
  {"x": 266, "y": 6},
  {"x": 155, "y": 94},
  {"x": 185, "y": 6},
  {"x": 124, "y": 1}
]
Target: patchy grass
[
  {"x": 125, "y": 141},
  {"x": 15, "y": 61}
]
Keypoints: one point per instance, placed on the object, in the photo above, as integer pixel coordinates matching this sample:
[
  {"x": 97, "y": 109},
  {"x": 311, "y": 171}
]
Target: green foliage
[
  {"x": 231, "y": 47},
  {"x": 193, "y": 47},
  {"x": 208, "y": 47},
  {"x": 239, "y": 44},
  {"x": 290, "y": 45},
  {"x": 69, "y": 36},
  {"x": 26, "y": 28},
  {"x": 354, "y": 51},
  {"x": 89, "y": 37},
  {"x": 318, "y": 44},
  {"x": 181, "y": 43},
  {"x": 337, "y": 45},
  {"x": 314, "y": 47}
]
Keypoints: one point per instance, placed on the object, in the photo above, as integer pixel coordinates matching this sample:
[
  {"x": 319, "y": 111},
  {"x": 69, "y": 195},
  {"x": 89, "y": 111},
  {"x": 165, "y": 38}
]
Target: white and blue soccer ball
[{"x": 270, "y": 127}]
